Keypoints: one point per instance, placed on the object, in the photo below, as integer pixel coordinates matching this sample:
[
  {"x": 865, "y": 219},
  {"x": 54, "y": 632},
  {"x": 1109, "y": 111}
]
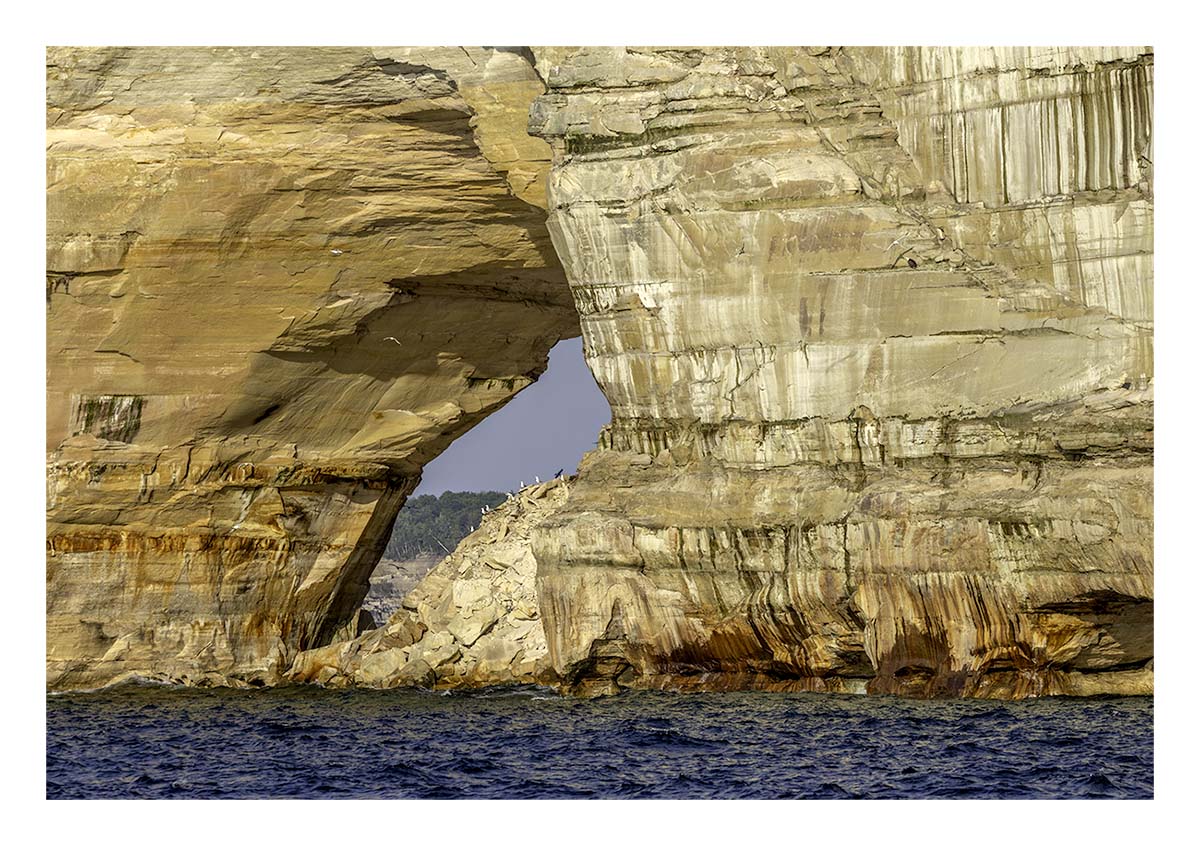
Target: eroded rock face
[
  {"x": 875, "y": 325},
  {"x": 876, "y": 329},
  {"x": 472, "y": 622},
  {"x": 279, "y": 281}
]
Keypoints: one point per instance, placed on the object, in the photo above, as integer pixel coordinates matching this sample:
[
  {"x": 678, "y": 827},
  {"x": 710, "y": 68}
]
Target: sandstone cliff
[
  {"x": 875, "y": 325},
  {"x": 279, "y": 282},
  {"x": 876, "y": 329}
]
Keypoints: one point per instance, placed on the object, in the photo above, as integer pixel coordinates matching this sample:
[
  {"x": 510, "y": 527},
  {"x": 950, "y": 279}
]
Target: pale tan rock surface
[
  {"x": 876, "y": 329},
  {"x": 279, "y": 281},
  {"x": 875, "y": 324},
  {"x": 472, "y": 622}
]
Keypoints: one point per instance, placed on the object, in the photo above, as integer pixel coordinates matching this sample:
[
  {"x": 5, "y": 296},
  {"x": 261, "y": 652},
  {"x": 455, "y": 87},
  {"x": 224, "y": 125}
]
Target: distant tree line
[{"x": 434, "y": 524}]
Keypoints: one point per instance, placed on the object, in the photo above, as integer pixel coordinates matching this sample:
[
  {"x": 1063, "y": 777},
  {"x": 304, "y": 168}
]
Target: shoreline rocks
[{"x": 473, "y": 621}]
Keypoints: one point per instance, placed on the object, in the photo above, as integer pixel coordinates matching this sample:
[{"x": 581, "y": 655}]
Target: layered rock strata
[
  {"x": 279, "y": 281},
  {"x": 472, "y": 622},
  {"x": 876, "y": 328}
]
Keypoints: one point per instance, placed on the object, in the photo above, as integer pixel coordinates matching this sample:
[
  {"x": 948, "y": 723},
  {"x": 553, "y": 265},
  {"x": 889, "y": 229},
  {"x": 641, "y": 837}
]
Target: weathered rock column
[{"x": 876, "y": 329}]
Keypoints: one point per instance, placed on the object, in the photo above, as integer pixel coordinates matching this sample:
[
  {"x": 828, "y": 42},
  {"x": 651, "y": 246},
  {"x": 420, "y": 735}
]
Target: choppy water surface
[{"x": 146, "y": 742}]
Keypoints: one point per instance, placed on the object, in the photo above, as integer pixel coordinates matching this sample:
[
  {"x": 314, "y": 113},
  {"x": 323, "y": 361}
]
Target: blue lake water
[{"x": 157, "y": 742}]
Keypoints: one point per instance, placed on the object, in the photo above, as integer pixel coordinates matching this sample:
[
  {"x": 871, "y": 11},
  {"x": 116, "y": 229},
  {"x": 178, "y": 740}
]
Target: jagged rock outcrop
[
  {"x": 875, "y": 325},
  {"x": 472, "y": 622},
  {"x": 391, "y": 581},
  {"x": 279, "y": 281}
]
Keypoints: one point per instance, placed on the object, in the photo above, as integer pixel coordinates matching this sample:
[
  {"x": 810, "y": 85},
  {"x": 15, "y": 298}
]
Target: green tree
[{"x": 433, "y": 524}]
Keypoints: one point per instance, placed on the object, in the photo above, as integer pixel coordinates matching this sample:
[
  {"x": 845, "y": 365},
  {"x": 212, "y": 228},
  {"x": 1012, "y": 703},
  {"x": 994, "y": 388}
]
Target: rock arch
[
  {"x": 875, "y": 324},
  {"x": 280, "y": 281}
]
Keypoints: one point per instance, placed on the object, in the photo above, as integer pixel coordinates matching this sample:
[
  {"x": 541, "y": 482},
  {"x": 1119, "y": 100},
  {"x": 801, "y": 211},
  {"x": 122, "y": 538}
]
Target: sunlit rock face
[
  {"x": 279, "y": 281},
  {"x": 876, "y": 328},
  {"x": 875, "y": 325}
]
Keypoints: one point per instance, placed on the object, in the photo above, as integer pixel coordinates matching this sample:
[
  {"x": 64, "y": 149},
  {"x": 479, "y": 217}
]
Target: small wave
[
  {"x": 279, "y": 729},
  {"x": 833, "y": 790},
  {"x": 504, "y": 691},
  {"x": 134, "y": 681},
  {"x": 476, "y": 766}
]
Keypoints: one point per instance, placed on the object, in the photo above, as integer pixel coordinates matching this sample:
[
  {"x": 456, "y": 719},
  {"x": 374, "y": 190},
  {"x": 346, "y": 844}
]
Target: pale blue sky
[{"x": 549, "y": 425}]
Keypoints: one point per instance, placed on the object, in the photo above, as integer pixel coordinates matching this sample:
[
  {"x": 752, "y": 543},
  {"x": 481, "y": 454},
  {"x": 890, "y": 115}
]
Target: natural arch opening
[
  {"x": 541, "y": 433},
  {"x": 252, "y": 355}
]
